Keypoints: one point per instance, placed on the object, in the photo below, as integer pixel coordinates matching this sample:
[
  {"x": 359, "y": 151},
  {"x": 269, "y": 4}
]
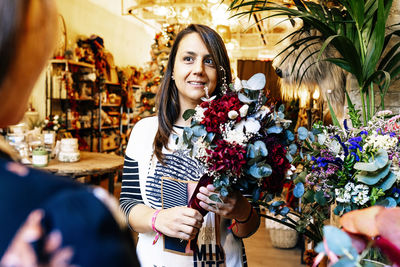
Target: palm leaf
[{"x": 375, "y": 46}]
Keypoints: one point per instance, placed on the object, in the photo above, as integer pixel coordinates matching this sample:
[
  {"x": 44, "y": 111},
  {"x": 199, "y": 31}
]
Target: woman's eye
[
  {"x": 209, "y": 61},
  {"x": 188, "y": 59}
]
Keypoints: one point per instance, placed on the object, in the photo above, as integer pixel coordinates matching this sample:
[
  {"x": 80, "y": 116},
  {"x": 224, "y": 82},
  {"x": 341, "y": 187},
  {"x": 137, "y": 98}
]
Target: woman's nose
[{"x": 198, "y": 67}]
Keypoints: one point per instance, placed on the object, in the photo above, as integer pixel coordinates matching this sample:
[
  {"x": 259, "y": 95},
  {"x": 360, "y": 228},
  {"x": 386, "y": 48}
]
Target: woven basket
[{"x": 282, "y": 238}]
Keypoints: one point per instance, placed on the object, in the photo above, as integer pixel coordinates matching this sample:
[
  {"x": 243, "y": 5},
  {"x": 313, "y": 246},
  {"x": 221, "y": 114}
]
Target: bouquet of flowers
[
  {"x": 354, "y": 168},
  {"x": 52, "y": 123},
  {"x": 241, "y": 139}
]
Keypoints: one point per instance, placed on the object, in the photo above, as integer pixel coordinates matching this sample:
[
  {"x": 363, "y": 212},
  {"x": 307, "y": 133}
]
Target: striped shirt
[{"x": 146, "y": 181}]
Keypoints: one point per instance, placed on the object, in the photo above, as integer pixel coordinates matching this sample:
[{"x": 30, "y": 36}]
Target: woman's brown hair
[
  {"x": 11, "y": 12},
  {"x": 167, "y": 101}
]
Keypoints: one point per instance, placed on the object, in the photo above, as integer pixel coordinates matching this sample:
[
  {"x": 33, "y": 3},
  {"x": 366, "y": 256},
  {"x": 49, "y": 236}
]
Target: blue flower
[
  {"x": 392, "y": 134},
  {"x": 346, "y": 150},
  {"x": 345, "y": 125},
  {"x": 355, "y": 155},
  {"x": 364, "y": 132}
]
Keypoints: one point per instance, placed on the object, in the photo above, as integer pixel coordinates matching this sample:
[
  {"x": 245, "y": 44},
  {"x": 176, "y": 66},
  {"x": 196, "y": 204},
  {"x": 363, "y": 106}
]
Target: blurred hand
[
  {"x": 21, "y": 254},
  {"x": 179, "y": 222},
  {"x": 234, "y": 206}
]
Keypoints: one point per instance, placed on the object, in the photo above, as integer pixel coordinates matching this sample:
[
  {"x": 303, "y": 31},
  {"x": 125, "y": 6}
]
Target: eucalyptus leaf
[
  {"x": 224, "y": 191},
  {"x": 371, "y": 178},
  {"x": 210, "y": 136},
  {"x": 309, "y": 196},
  {"x": 389, "y": 181},
  {"x": 260, "y": 148},
  {"x": 345, "y": 262},
  {"x": 245, "y": 99},
  {"x": 320, "y": 198},
  {"x": 388, "y": 202},
  {"x": 380, "y": 160},
  {"x": 293, "y": 149},
  {"x": 274, "y": 129},
  {"x": 199, "y": 130},
  {"x": 284, "y": 211},
  {"x": 289, "y": 135},
  {"x": 277, "y": 203},
  {"x": 338, "y": 241},
  {"x": 298, "y": 190},
  {"x": 215, "y": 198},
  {"x": 188, "y": 114},
  {"x": 303, "y": 133}
]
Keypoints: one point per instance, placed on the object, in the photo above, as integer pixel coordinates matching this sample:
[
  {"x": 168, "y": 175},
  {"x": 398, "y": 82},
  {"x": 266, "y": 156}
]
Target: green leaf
[
  {"x": 375, "y": 45},
  {"x": 333, "y": 115},
  {"x": 389, "y": 181},
  {"x": 353, "y": 112},
  {"x": 188, "y": 114},
  {"x": 371, "y": 178},
  {"x": 215, "y": 198},
  {"x": 380, "y": 161},
  {"x": 337, "y": 240},
  {"x": 320, "y": 198},
  {"x": 309, "y": 196}
]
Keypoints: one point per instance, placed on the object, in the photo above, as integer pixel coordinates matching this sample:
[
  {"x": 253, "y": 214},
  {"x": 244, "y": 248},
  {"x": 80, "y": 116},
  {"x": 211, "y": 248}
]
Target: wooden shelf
[
  {"x": 110, "y": 105},
  {"x": 72, "y": 62},
  {"x": 108, "y": 127},
  {"x": 110, "y": 83}
]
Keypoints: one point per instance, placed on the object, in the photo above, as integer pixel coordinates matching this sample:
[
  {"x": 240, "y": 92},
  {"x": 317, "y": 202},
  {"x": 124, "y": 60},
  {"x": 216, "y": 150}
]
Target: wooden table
[{"x": 91, "y": 163}]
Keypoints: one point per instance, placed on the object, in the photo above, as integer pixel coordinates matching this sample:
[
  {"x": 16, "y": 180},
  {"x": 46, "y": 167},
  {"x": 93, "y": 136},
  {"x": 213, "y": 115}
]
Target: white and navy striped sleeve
[{"x": 130, "y": 190}]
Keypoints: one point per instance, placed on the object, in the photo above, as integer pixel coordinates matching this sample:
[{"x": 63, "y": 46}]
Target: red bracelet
[{"x": 153, "y": 225}]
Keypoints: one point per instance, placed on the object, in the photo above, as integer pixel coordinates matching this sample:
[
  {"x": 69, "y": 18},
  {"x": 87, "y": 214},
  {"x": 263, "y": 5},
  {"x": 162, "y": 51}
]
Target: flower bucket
[
  {"x": 281, "y": 238},
  {"x": 281, "y": 235}
]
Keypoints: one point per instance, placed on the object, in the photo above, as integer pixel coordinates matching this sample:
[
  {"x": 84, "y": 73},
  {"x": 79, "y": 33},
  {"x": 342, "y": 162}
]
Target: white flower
[
  {"x": 199, "y": 115},
  {"x": 256, "y": 82},
  {"x": 378, "y": 141},
  {"x": 235, "y": 136},
  {"x": 46, "y": 121},
  {"x": 237, "y": 86},
  {"x": 342, "y": 195},
  {"x": 55, "y": 128},
  {"x": 233, "y": 114},
  {"x": 262, "y": 112},
  {"x": 56, "y": 117},
  {"x": 251, "y": 125},
  {"x": 243, "y": 110}
]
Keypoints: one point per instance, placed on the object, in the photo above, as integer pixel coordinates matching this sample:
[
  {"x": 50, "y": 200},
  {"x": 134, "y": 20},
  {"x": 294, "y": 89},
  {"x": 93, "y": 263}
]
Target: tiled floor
[{"x": 261, "y": 253}]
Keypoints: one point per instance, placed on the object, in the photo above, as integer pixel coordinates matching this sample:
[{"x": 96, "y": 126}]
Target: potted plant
[{"x": 356, "y": 29}]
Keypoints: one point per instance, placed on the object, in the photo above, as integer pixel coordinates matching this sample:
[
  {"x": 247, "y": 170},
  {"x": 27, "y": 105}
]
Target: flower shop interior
[{"x": 340, "y": 99}]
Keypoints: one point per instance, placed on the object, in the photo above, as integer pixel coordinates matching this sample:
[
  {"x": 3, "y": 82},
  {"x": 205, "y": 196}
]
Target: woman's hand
[
  {"x": 179, "y": 222},
  {"x": 234, "y": 206}
]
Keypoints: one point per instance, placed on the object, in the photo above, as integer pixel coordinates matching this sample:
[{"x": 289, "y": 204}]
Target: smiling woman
[{"x": 159, "y": 178}]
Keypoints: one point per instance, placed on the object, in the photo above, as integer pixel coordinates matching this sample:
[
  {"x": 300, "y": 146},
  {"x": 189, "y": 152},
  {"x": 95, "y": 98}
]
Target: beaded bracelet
[
  {"x": 248, "y": 217},
  {"x": 153, "y": 225}
]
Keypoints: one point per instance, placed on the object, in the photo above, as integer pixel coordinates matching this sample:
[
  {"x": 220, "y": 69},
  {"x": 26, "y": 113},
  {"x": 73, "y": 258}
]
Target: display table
[{"x": 91, "y": 163}]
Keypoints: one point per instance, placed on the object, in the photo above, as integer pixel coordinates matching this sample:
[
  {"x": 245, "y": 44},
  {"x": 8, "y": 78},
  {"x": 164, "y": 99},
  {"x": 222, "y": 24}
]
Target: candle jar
[{"x": 40, "y": 157}]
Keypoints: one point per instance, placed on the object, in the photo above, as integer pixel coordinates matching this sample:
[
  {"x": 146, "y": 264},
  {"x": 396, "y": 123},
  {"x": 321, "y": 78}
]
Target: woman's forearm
[
  {"x": 140, "y": 218},
  {"x": 246, "y": 226}
]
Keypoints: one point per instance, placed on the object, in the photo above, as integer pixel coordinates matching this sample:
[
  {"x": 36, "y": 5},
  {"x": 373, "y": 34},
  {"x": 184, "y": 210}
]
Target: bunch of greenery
[{"x": 356, "y": 29}]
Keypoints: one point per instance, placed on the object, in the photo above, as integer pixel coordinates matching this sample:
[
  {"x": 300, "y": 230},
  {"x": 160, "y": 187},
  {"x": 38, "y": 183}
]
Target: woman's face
[{"x": 194, "y": 69}]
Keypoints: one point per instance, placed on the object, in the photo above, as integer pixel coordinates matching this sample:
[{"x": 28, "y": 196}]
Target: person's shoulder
[
  {"x": 90, "y": 222},
  {"x": 142, "y": 137},
  {"x": 146, "y": 123}
]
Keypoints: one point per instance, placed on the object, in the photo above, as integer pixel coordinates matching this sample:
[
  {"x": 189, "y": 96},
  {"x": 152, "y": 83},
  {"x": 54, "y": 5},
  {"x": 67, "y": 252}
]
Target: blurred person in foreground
[{"x": 46, "y": 220}]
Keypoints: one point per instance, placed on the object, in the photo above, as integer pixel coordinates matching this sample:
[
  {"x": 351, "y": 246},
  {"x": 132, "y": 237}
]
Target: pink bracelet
[{"x": 153, "y": 225}]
